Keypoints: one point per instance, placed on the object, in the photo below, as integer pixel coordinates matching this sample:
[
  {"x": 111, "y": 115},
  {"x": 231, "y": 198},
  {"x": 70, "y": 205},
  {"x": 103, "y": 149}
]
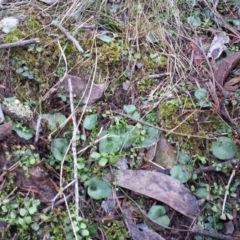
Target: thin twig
[
  {"x": 69, "y": 36},
  {"x": 74, "y": 151},
  {"x": 227, "y": 190},
  {"x": 61, "y": 192},
  {"x": 20, "y": 43},
  {"x": 38, "y": 129},
  {"x": 47, "y": 209},
  {"x": 156, "y": 76},
  {"x": 161, "y": 129}
]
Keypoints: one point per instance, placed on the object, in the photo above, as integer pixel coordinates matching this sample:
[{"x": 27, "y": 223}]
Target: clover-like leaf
[
  {"x": 116, "y": 138},
  {"x": 180, "y": 173},
  {"x": 158, "y": 214},
  {"x": 132, "y": 111},
  {"x": 151, "y": 135},
  {"x": 99, "y": 188},
  {"x": 90, "y": 121},
  {"x": 195, "y": 21},
  {"x": 224, "y": 148},
  {"x": 54, "y": 120},
  {"x": 183, "y": 158},
  {"x": 23, "y": 131},
  {"x": 59, "y": 147}
]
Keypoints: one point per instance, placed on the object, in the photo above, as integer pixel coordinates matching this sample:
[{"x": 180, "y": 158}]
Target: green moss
[
  {"x": 32, "y": 22},
  {"x": 109, "y": 53},
  {"x": 14, "y": 36}
]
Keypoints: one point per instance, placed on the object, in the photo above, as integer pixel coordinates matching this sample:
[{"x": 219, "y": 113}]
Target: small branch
[
  {"x": 156, "y": 76},
  {"x": 69, "y": 36},
  {"x": 74, "y": 147},
  {"x": 20, "y": 43},
  {"x": 234, "y": 161}
]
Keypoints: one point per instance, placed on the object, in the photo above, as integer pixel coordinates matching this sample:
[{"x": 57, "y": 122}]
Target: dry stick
[
  {"x": 47, "y": 209},
  {"x": 61, "y": 192},
  {"x": 234, "y": 161},
  {"x": 38, "y": 129},
  {"x": 211, "y": 234},
  {"x": 69, "y": 36},
  {"x": 74, "y": 148},
  {"x": 227, "y": 192},
  {"x": 156, "y": 76},
  {"x": 20, "y": 43}
]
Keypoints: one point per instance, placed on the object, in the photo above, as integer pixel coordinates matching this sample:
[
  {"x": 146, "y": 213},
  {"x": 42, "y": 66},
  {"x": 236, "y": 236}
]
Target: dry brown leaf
[
  {"x": 165, "y": 155},
  {"x": 136, "y": 234},
  {"x": 231, "y": 84},
  {"x": 225, "y": 67},
  {"x": 198, "y": 57},
  {"x": 79, "y": 85},
  {"x": 5, "y": 130},
  {"x": 160, "y": 187}
]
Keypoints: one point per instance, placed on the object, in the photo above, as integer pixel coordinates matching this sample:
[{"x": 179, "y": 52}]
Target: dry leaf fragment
[
  {"x": 160, "y": 187},
  {"x": 198, "y": 57},
  {"x": 217, "y": 45},
  {"x": 5, "y": 130},
  {"x": 136, "y": 234},
  {"x": 81, "y": 89},
  {"x": 225, "y": 67},
  {"x": 231, "y": 84}
]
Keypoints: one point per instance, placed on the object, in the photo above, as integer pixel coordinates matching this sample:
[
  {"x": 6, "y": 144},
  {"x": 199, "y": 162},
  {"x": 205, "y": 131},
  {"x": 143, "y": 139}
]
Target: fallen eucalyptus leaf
[{"x": 160, "y": 187}]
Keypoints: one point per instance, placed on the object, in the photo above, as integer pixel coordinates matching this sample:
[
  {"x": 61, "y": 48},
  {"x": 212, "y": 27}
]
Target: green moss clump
[{"x": 109, "y": 54}]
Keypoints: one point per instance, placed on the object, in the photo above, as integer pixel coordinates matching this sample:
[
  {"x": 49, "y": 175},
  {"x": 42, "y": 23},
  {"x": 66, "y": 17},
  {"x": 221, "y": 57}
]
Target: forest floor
[{"x": 119, "y": 119}]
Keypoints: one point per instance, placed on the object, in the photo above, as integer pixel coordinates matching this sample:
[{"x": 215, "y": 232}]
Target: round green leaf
[
  {"x": 158, "y": 214},
  {"x": 117, "y": 138},
  {"x": 195, "y": 21},
  {"x": 180, "y": 173},
  {"x": 202, "y": 193},
  {"x": 99, "y": 188},
  {"x": 59, "y": 147},
  {"x": 201, "y": 93},
  {"x": 54, "y": 120},
  {"x": 22, "y": 211},
  {"x": 109, "y": 144},
  {"x": 32, "y": 210},
  {"x": 85, "y": 233},
  {"x": 25, "y": 133},
  {"x": 150, "y": 137},
  {"x": 102, "y": 162},
  {"x": 90, "y": 121},
  {"x": 224, "y": 148},
  {"x": 35, "y": 226},
  {"x": 183, "y": 158}
]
